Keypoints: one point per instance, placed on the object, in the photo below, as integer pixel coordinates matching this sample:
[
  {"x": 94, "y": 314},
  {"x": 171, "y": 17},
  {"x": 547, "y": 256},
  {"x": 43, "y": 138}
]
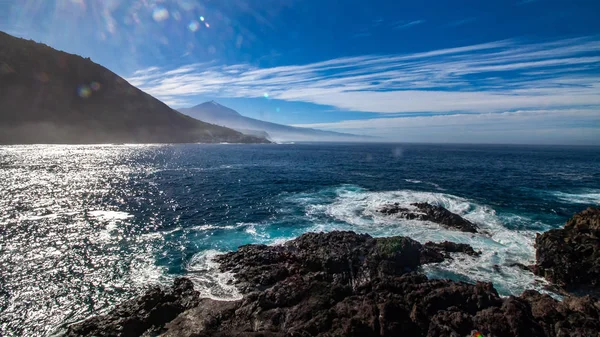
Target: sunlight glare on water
[
  {"x": 83, "y": 228},
  {"x": 65, "y": 248}
]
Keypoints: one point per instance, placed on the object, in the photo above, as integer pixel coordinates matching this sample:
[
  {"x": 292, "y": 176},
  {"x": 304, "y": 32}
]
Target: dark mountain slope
[
  {"x": 215, "y": 113},
  {"x": 49, "y": 96}
]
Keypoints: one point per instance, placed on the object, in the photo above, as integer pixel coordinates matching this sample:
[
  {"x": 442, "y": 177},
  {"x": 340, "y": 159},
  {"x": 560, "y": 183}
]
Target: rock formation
[
  {"x": 427, "y": 212},
  {"x": 570, "y": 256},
  {"x": 345, "y": 284}
]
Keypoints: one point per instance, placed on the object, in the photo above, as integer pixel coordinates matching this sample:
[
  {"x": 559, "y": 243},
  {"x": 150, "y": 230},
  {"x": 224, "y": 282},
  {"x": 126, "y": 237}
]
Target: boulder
[
  {"x": 570, "y": 257},
  {"x": 432, "y": 213},
  {"x": 142, "y": 314}
]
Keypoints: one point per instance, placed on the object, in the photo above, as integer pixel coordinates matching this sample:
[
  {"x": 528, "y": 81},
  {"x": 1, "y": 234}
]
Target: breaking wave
[{"x": 350, "y": 207}]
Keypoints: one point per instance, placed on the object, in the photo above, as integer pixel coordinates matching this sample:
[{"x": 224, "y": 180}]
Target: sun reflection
[
  {"x": 95, "y": 86},
  {"x": 177, "y": 16},
  {"x": 84, "y": 91},
  {"x": 160, "y": 14},
  {"x": 75, "y": 245},
  {"x": 194, "y": 26}
]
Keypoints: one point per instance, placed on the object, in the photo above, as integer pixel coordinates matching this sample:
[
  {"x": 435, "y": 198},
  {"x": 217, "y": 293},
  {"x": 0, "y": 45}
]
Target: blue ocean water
[{"x": 85, "y": 227}]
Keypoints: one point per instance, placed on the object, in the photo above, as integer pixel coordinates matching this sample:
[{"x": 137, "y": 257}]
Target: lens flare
[
  {"x": 95, "y": 86},
  {"x": 201, "y": 18},
  {"x": 207, "y": 25},
  {"x": 194, "y": 26},
  {"x": 266, "y": 95},
  {"x": 160, "y": 14},
  {"x": 84, "y": 91}
]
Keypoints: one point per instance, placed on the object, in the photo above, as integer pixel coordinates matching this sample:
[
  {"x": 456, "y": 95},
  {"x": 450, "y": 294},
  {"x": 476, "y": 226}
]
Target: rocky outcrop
[
  {"x": 570, "y": 257},
  {"x": 347, "y": 284},
  {"x": 452, "y": 247},
  {"x": 427, "y": 212},
  {"x": 143, "y": 314}
]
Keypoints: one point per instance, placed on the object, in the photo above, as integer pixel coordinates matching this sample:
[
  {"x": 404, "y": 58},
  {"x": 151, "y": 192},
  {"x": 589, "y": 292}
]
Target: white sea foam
[
  {"x": 414, "y": 181},
  {"x": 208, "y": 280},
  {"x": 356, "y": 209},
  {"x": 143, "y": 272},
  {"x": 588, "y": 197}
]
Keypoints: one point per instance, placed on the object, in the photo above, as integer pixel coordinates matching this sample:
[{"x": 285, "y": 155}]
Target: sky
[{"x": 494, "y": 71}]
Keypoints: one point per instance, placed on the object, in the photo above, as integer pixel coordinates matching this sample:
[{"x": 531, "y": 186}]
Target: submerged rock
[
  {"x": 427, "y": 212},
  {"x": 570, "y": 257},
  {"x": 345, "y": 284}
]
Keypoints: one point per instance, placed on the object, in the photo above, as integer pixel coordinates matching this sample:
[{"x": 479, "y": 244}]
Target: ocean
[{"x": 83, "y": 228}]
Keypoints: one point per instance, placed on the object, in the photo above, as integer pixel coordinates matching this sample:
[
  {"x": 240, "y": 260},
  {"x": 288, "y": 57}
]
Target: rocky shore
[
  {"x": 427, "y": 212},
  {"x": 348, "y": 284},
  {"x": 570, "y": 257}
]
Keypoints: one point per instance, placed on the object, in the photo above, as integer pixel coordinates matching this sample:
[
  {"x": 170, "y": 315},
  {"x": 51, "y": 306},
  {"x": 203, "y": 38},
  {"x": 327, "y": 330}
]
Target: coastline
[{"x": 348, "y": 284}]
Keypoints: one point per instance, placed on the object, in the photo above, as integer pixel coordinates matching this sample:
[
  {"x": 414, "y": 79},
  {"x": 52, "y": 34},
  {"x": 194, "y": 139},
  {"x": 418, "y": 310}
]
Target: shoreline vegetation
[{"x": 348, "y": 284}]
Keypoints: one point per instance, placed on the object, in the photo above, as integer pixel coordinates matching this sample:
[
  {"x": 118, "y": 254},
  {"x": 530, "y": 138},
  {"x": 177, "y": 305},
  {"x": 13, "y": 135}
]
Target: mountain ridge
[
  {"x": 50, "y": 96},
  {"x": 218, "y": 114}
]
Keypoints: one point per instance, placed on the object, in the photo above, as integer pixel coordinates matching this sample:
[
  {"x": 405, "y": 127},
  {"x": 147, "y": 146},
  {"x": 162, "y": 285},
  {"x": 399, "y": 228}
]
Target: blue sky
[{"x": 509, "y": 71}]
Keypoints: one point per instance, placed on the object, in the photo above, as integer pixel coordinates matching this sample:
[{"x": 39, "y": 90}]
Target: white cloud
[
  {"x": 489, "y": 77},
  {"x": 404, "y": 24},
  {"x": 574, "y": 126}
]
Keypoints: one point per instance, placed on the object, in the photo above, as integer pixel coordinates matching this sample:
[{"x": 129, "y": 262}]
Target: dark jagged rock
[
  {"x": 150, "y": 311},
  {"x": 48, "y": 96},
  {"x": 570, "y": 257},
  {"x": 427, "y": 212},
  {"x": 574, "y": 316},
  {"x": 452, "y": 247},
  {"x": 347, "y": 284}
]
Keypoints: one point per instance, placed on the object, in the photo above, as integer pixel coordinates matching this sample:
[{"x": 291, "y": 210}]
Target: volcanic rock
[
  {"x": 570, "y": 257},
  {"x": 142, "y": 314},
  {"x": 428, "y": 212},
  {"x": 347, "y": 284},
  {"x": 452, "y": 247}
]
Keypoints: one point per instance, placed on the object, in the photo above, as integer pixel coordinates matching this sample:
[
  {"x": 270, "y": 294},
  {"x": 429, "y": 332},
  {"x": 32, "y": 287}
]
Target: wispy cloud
[
  {"x": 361, "y": 35},
  {"x": 490, "y": 77},
  {"x": 407, "y": 24},
  {"x": 461, "y": 22},
  {"x": 574, "y": 126}
]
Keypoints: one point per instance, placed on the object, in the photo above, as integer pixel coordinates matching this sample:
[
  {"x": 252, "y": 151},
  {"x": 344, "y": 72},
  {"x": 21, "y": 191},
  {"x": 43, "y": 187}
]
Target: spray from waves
[
  {"x": 208, "y": 280},
  {"x": 587, "y": 197},
  {"x": 352, "y": 208},
  {"x": 414, "y": 181}
]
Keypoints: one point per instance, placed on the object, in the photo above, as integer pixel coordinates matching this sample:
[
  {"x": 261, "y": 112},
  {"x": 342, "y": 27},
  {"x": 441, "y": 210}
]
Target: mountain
[
  {"x": 49, "y": 96},
  {"x": 216, "y": 113}
]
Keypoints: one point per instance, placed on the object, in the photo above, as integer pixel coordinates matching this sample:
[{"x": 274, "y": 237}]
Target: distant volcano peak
[
  {"x": 215, "y": 113},
  {"x": 215, "y": 109}
]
